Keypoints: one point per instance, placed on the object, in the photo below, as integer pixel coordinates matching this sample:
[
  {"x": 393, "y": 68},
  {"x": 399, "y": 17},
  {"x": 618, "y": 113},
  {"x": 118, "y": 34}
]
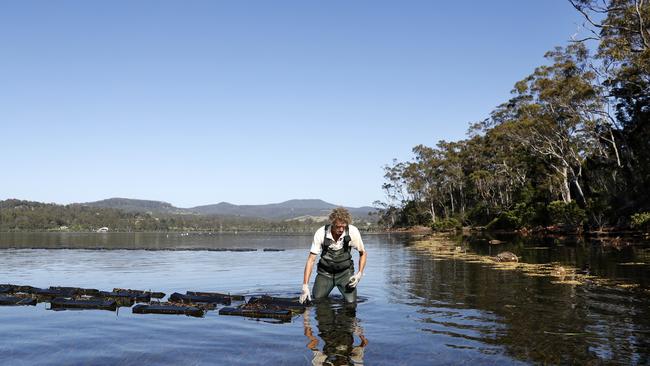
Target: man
[{"x": 334, "y": 243}]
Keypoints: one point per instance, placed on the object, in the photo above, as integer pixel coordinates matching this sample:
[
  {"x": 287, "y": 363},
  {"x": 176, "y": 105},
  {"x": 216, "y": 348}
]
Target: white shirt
[{"x": 317, "y": 244}]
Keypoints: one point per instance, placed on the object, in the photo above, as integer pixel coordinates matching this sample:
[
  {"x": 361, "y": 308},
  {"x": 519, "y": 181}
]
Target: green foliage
[
  {"x": 641, "y": 221},
  {"x": 413, "y": 214},
  {"x": 505, "y": 221},
  {"x": 566, "y": 214},
  {"x": 447, "y": 224},
  {"x": 520, "y": 216}
]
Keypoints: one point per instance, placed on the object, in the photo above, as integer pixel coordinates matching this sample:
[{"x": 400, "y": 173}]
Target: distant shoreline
[{"x": 188, "y": 232}]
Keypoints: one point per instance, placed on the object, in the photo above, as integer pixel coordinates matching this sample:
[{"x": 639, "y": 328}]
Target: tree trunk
[
  {"x": 433, "y": 212},
  {"x": 565, "y": 190},
  {"x": 613, "y": 142},
  {"x": 581, "y": 196},
  {"x": 462, "y": 200},
  {"x": 451, "y": 197}
]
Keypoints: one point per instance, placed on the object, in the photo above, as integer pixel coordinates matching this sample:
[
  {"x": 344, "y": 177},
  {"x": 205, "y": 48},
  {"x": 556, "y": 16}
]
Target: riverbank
[{"x": 544, "y": 231}]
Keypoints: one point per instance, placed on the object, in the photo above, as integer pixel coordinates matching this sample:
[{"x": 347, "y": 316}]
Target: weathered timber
[
  {"x": 257, "y": 313},
  {"x": 266, "y": 307},
  {"x": 290, "y": 303},
  {"x": 16, "y": 301},
  {"x": 17, "y": 288},
  {"x": 77, "y": 290},
  {"x": 232, "y": 297},
  {"x": 155, "y": 295},
  {"x": 196, "y": 299},
  {"x": 91, "y": 303},
  {"x": 125, "y": 295},
  {"x": 51, "y": 293},
  {"x": 163, "y": 308}
]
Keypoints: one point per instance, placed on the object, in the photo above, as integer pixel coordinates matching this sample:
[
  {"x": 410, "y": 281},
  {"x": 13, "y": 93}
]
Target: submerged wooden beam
[
  {"x": 80, "y": 304},
  {"x": 290, "y": 303},
  {"x": 257, "y": 313},
  {"x": 232, "y": 297},
  {"x": 152, "y": 294},
  {"x": 200, "y": 299},
  {"x": 163, "y": 308},
  {"x": 16, "y": 301}
]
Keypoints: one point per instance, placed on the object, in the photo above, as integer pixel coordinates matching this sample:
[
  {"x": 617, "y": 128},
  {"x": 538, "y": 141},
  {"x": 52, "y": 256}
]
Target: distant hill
[
  {"x": 298, "y": 209},
  {"x": 292, "y": 209},
  {"x": 133, "y": 205}
]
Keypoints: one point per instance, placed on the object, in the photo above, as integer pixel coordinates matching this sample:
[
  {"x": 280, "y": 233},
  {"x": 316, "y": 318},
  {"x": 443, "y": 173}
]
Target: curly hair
[{"x": 340, "y": 214}]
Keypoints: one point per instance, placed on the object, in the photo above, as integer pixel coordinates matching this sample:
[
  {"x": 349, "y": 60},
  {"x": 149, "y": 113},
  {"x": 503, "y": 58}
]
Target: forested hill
[
  {"x": 288, "y": 210},
  {"x": 134, "y": 205},
  {"x": 280, "y": 211}
]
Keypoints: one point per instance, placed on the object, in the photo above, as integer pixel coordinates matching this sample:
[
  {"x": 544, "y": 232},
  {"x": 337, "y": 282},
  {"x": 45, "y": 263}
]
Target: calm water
[{"x": 418, "y": 309}]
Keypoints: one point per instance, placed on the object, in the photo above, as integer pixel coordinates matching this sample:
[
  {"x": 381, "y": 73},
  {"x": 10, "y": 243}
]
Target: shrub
[
  {"x": 413, "y": 214},
  {"x": 641, "y": 220},
  {"x": 447, "y": 224},
  {"x": 508, "y": 220},
  {"x": 520, "y": 216},
  {"x": 566, "y": 214}
]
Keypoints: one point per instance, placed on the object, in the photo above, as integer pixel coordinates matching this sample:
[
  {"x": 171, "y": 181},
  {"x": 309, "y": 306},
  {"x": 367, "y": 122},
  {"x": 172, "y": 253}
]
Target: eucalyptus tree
[
  {"x": 554, "y": 115},
  {"x": 622, "y": 28},
  {"x": 497, "y": 167},
  {"x": 395, "y": 191},
  {"x": 427, "y": 168}
]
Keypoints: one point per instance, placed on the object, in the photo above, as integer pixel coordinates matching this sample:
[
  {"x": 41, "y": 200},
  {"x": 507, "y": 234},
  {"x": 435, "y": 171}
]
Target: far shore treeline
[
  {"x": 19, "y": 215},
  {"x": 570, "y": 149}
]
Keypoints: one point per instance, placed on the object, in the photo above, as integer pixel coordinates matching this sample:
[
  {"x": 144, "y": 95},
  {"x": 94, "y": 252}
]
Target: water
[{"x": 418, "y": 309}]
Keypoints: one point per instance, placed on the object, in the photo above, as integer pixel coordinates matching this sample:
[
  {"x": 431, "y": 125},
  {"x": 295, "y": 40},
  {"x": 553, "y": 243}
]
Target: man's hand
[
  {"x": 306, "y": 294},
  {"x": 354, "y": 280}
]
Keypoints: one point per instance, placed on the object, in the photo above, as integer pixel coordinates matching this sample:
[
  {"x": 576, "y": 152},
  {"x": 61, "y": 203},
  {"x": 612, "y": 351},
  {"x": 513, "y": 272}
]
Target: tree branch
[{"x": 639, "y": 4}]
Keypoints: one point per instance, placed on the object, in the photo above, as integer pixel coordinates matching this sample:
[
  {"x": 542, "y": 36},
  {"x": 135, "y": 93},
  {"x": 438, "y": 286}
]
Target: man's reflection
[{"x": 337, "y": 326}]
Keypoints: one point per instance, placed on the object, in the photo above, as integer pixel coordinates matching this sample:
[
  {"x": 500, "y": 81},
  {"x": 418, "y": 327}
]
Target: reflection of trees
[
  {"x": 337, "y": 326},
  {"x": 574, "y": 251},
  {"x": 535, "y": 320}
]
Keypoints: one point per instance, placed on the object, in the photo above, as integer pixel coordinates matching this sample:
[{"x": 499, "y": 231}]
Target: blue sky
[{"x": 250, "y": 102}]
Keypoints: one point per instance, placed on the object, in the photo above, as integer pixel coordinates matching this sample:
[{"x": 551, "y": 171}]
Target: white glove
[
  {"x": 306, "y": 294},
  {"x": 354, "y": 280}
]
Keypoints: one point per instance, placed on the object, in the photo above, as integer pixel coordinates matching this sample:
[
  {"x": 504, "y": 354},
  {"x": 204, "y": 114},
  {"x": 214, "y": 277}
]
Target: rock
[
  {"x": 506, "y": 257},
  {"x": 559, "y": 272}
]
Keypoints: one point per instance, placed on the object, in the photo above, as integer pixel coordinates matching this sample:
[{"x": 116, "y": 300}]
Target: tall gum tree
[
  {"x": 554, "y": 118},
  {"x": 622, "y": 30}
]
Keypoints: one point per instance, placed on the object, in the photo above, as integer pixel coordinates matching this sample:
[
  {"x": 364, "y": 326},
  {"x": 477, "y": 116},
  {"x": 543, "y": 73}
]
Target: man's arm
[
  {"x": 306, "y": 294},
  {"x": 362, "y": 261},
  {"x": 354, "y": 280},
  {"x": 356, "y": 237},
  {"x": 308, "y": 268}
]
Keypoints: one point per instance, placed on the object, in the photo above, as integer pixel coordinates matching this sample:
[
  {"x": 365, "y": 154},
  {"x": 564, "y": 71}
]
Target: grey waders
[{"x": 335, "y": 269}]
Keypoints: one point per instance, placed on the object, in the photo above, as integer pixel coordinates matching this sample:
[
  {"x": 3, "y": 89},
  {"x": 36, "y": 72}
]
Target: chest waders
[{"x": 335, "y": 268}]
